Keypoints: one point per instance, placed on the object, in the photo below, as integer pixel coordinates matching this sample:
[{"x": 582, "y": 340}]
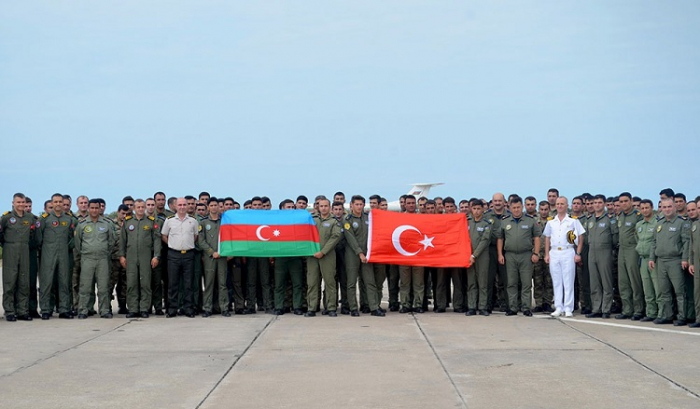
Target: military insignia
[
  {"x": 44, "y": 215},
  {"x": 508, "y": 227},
  {"x": 658, "y": 228},
  {"x": 491, "y": 220},
  {"x": 64, "y": 224},
  {"x": 6, "y": 213},
  {"x": 550, "y": 218},
  {"x": 208, "y": 227},
  {"x": 54, "y": 223},
  {"x": 131, "y": 228},
  {"x": 25, "y": 223},
  {"x": 155, "y": 226},
  {"x": 695, "y": 227},
  {"x": 326, "y": 224},
  {"x": 127, "y": 218},
  {"x": 13, "y": 220},
  {"x": 355, "y": 225},
  {"x": 87, "y": 229},
  {"x": 147, "y": 227},
  {"x": 671, "y": 228},
  {"x": 366, "y": 221},
  {"x": 38, "y": 224},
  {"x": 200, "y": 228},
  {"x": 347, "y": 226},
  {"x": 524, "y": 227},
  {"x": 101, "y": 229},
  {"x": 570, "y": 236},
  {"x": 590, "y": 225},
  {"x": 619, "y": 223},
  {"x": 639, "y": 229},
  {"x": 151, "y": 218},
  {"x": 601, "y": 225},
  {"x": 479, "y": 229}
]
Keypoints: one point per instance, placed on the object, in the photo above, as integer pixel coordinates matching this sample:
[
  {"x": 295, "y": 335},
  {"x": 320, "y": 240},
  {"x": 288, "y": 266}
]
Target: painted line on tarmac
[
  {"x": 230, "y": 368},
  {"x": 612, "y": 324},
  {"x": 57, "y": 353},
  {"x": 442, "y": 364},
  {"x": 567, "y": 322}
]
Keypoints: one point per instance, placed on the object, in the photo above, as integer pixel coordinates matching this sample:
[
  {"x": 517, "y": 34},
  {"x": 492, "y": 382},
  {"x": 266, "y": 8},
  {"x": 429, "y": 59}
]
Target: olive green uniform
[
  {"x": 695, "y": 262},
  {"x": 602, "y": 238},
  {"x": 628, "y": 274},
  {"x": 670, "y": 246},
  {"x": 478, "y": 273},
  {"x": 329, "y": 233},
  {"x": 289, "y": 269},
  {"x": 54, "y": 234},
  {"x": 159, "y": 275},
  {"x": 498, "y": 276},
  {"x": 258, "y": 268},
  {"x": 16, "y": 234},
  {"x": 645, "y": 235},
  {"x": 543, "y": 291},
  {"x": 356, "y": 230},
  {"x": 94, "y": 244},
  {"x": 139, "y": 242},
  {"x": 75, "y": 280},
  {"x": 117, "y": 281},
  {"x": 214, "y": 268},
  {"x": 341, "y": 272},
  {"x": 519, "y": 236},
  {"x": 583, "y": 276}
]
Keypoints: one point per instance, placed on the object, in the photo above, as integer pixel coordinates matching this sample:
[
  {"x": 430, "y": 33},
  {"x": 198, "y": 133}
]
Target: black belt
[{"x": 181, "y": 251}]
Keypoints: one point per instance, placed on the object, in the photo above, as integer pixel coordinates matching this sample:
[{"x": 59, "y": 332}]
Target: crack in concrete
[
  {"x": 57, "y": 353},
  {"x": 633, "y": 359},
  {"x": 238, "y": 358},
  {"x": 442, "y": 364}
]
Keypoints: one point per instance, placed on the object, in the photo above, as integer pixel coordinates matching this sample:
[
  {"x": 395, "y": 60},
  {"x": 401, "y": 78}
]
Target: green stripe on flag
[{"x": 268, "y": 249}]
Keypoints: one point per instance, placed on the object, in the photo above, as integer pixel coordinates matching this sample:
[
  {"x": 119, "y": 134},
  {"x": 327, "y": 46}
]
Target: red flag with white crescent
[{"x": 426, "y": 240}]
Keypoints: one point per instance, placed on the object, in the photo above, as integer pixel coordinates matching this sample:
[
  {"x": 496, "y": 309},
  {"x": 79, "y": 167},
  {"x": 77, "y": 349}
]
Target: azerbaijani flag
[{"x": 268, "y": 233}]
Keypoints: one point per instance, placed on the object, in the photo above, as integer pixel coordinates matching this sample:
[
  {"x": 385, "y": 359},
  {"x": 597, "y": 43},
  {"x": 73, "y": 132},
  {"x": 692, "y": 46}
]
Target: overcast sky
[{"x": 286, "y": 98}]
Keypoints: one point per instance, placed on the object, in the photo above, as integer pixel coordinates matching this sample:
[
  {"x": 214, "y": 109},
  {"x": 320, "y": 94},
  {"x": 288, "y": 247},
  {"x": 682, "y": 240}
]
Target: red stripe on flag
[{"x": 271, "y": 233}]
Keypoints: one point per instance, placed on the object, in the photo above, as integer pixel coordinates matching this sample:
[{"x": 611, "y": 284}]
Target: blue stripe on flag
[{"x": 272, "y": 217}]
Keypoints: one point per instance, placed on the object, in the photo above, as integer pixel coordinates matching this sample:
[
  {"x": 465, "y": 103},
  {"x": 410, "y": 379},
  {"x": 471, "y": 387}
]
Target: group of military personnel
[{"x": 635, "y": 262}]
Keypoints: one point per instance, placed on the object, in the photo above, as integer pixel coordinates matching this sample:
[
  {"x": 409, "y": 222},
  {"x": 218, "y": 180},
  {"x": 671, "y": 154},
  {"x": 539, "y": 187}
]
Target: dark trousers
[{"x": 180, "y": 267}]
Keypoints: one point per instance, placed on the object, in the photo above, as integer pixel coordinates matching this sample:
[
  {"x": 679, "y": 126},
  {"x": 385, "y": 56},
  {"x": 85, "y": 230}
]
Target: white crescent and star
[
  {"x": 396, "y": 240},
  {"x": 258, "y": 232}
]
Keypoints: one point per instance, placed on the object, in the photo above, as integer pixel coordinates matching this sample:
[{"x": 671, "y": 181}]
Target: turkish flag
[{"x": 425, "y": 240}]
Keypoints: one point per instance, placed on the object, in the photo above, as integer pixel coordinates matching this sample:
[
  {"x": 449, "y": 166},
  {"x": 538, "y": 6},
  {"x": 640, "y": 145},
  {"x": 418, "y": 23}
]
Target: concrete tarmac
[
  {"x": 399, "y": 361},
  {"x": 428, "y": 360}
]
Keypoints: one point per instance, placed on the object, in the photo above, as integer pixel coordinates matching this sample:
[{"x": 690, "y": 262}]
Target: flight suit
[
  {"x": 519, "y": 235},
  {"x": 671, "y": 246},
  {"x": 159, "y": 275},
  {"x": 695, "y": 262},
  {"x": 214, "y": 268},
  {"x": 478, "y": 273},
  {"x": 341, "y": 273},
  {"x": 94, "y": 245},
  {"x": 329, "y": 233},
  {"x": 628, "y": 274},
  {"x": 498, "y": 277},
  {"x": 645, "y": 235},
  {"x": 583, "y": 277},
  {"x": 75, "y": 279},
  {"x": 54, "y": 235},
  {"x": 355, "y": 230},
  {"x": 139, "y": 242},
  {"x": 258, "y": 266},
  {"x": 16, "y": 234},
  {"x": 117, "y": 279},
  {"x": 543, "y": 291},
  {"x": 289, "y": 268},
  {"x": 602, "y": 237}
]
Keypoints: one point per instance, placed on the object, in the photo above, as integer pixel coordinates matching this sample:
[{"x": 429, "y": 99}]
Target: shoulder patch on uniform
[
  {"x": 551, "y": 218},
  {"x": 6, "y": 213},
  {"x": 44, "y": 215},
  {"x": 127, "y": 218},
  {"x": 489, "y": 221},
  {"x": 151, "y": 218}
]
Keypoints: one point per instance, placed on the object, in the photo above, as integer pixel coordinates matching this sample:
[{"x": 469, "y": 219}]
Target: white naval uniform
[{"x": 561, "y": 259}]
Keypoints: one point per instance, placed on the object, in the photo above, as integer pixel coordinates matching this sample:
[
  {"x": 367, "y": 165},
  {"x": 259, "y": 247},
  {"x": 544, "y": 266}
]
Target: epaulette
[
  {"x": 6, "y": 213},
  {"x": 170, "y": 217},
  {"x": 151, "y": 218},
  {"x": 489, "y": 221},
  {"x": 127, "y": 218},
  {"x": 44, "y": 215},
  {"x": 528, "y": 215},
  {"x": 637, "y": 212},
  {"x": 552, "y": 218},
  {"x": 683, "y": 217}
]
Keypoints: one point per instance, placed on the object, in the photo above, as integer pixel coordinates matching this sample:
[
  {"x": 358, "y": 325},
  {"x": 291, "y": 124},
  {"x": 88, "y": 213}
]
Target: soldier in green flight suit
[
  {"x": 159, "y": 279},
  {"x": 602, "y": 236},
  {"x": 629, "y": 277},
  {"x": 139, "y": 253},
  {"x": 356, "y": 230},
  {"x": 340, "y": 271},
  {"x": 478, "y": 271},
  {"x": 543, "y": 290},
  {"x": 95, "y": 240},
  {"x": 519, "y": 235},
  {"x": 54, "y": 234},
  {"x": 33, "y": 266},
  {"x": 322, "y": 264},
  {"x": 17, "y": 230},
  {"x": 117, "y": 279},
  {"x": 645, "y": 235},
  {"x": 498, "y": 275},
  {"x": 669, "y": 254},
  {"x": 288, "y": 269},
  {"x": 695, "y": 267},
  {"x": 214, "y": 264}
]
